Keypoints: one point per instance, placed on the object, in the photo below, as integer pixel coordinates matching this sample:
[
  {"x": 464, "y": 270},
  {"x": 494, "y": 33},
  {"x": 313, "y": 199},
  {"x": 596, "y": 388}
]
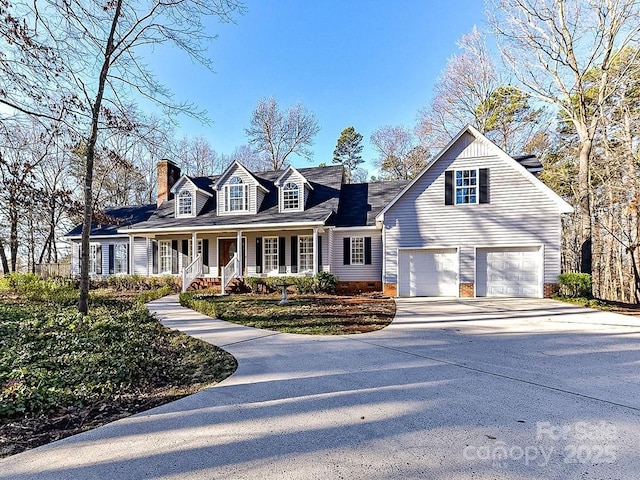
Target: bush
[
  {"x": 326, "y": 282},
  {"x": 575, "y": 284},
  {"x": 33, "y": 288},
  {"x": 139, "y": 283},
  {"x": 254, "y": 283},
  {"x": 304, "y": 285}
]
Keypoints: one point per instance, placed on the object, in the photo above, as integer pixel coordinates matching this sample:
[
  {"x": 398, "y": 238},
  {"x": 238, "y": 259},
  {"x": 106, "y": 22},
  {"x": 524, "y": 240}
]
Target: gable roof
[
  {"x": 120, "y": 217},
  {"x": 291, "y": 168},
  {"x": 216, "y": 185},
  {"x": 191, "y": 180},
  {"x": 563, "y": 206}
]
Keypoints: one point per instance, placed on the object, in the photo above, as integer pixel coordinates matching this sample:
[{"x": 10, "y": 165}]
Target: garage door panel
[
  {"x": 424, "y": 273},
  {"x": 508, "y": 272}
]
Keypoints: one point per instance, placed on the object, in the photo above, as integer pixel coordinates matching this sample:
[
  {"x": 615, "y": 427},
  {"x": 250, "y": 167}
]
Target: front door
[{"x": 227, "y": 247}]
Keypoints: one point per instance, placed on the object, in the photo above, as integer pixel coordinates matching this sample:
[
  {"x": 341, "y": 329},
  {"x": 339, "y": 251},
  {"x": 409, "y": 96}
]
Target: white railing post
[
  {"x": 191, "y": 272},
  {"x": 229, "y": 272}
]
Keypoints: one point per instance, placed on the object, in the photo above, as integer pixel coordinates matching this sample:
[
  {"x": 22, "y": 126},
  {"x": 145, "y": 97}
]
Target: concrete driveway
[{"x": 452, "y": 389}]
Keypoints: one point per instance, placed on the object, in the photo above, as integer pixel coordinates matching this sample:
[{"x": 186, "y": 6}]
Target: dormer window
[
  {"x": 290, "y": 196},
  {"x": 185, "y": 203},
  {"x": 236, "y": 195}
]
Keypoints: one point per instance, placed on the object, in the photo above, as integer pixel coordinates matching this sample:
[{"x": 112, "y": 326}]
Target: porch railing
[
  {"x": 229, "y": 272},
  {"x": 191, "y": 272}
]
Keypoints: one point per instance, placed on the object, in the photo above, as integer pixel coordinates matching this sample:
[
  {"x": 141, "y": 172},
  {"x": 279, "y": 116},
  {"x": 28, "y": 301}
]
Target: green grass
[{"x": 305, "y": 314}]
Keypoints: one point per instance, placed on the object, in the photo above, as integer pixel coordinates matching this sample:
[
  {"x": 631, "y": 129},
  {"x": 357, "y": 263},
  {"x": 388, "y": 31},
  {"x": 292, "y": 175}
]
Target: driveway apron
[{"x": 451, "y": 389}]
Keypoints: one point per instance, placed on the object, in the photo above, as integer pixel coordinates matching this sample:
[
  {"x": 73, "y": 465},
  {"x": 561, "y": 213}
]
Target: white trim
[
  {"x": 222, "y": 178},
  {"x": 186, "y": 177},
  {"x": 563, "y": 206},
  {"x": 278, "y": 181},
  {"x": 277, "y": 254},
  {"x": 119, "y": 236},
  {"x": 456, "y": 187},
  {"x": 192, "y": 204},
  {"x": 351, "y": 239},
  {"x": 365, "y": 227},
  {"x": 218, "y": 228}
]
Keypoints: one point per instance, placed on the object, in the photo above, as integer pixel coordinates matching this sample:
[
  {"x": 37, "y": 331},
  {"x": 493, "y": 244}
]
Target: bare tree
[
  {"x": 399, "y": 156},
  {"x": 99, "y": 46},
  {"x": 279, "y": 134},
  {"x": 196, "y": 156},
  {"x": 550, "y": 46}
]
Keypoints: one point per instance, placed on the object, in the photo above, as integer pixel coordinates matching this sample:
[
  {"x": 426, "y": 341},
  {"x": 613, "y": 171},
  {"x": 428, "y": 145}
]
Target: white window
[
  {"x": 466, "y": 186},
  {"x": 120, "y": 258},
  {"x": 236, "y": 196},
  {"x": 95, "y": 258},
  {"x": 305, "y": 254},
  {"x": 164, "y": 250},
  {"x": 290, "y": 196},
  {"x": 357, "y": 250},
  {"x": 185, "y": 203},
  {"x": 270, "y": 255}
]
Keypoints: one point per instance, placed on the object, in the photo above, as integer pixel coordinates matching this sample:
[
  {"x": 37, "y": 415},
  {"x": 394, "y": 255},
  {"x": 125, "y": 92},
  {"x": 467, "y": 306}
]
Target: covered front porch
[{"x": 235, "y": 254}]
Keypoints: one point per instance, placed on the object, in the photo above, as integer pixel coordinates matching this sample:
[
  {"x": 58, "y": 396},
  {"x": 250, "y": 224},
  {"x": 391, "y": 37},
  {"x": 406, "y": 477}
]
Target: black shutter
[
  {"x": 111, "y": 259},
  {"x": 185, "y": 253},
  {"x": 154, "y": 256},
  {"x": 99, "y": 259},
  {"x": 127, "y": 257},
  {"x": 346, "y": 254},
  {"x": 484, "y": 185},
  {"x": 319, "y": 253},
  {"x": 448, "y": 187},
  {"x": 259, "y": 255},
  {"x": 367, "y": 250},
  {"x": 174, "y": 256},
  {"x": 282, "y": 259},
  {"x": 205, "y": 252},
  {"x": 294, "y": 254}
]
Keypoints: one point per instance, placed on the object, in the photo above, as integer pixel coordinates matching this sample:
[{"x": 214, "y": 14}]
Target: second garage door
[
  {"x": 428, "y": 273},
  {"x": 508, "y": 272}
]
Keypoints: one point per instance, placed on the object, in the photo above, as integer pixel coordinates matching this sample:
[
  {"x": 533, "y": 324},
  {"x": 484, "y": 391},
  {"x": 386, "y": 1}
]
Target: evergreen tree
[{"x": 348, "y": 151}]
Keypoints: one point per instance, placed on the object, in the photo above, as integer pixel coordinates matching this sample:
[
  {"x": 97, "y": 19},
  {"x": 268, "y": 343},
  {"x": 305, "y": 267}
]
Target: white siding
[
  {"x": 371, "y": 272},
  {"x": 293, "y": 177},
  {"x": 141, "y": 256},
  {"x": 252, "y": 189},
  {"x": 519, "y": 214},
  {"x": 201, "y": 199}
]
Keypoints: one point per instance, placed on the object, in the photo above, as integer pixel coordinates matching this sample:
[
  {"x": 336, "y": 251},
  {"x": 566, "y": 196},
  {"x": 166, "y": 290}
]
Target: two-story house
[{"x": 474, "y": 222}]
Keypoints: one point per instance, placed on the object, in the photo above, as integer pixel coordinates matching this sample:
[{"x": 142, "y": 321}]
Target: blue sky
[{"x": 360, "y": 63}]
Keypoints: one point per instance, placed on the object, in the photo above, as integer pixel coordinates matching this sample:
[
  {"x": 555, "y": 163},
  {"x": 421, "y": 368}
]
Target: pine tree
[{"x": 348, "y": 151}]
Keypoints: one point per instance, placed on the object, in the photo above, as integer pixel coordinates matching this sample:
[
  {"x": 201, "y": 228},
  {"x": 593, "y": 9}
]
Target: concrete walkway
[{"x": 452, "y": 389}]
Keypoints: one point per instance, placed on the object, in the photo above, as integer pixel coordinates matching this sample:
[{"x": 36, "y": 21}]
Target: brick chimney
[{"x": 168, "y": 175}]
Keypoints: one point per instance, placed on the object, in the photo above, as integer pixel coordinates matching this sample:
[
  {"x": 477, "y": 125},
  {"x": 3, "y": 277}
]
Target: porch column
[
  {"x": 315, "y": 250},
  {"x": 239, "y": 251},
  {"x": 132, "y": 262},
  {"x": 194, "y": 248}
]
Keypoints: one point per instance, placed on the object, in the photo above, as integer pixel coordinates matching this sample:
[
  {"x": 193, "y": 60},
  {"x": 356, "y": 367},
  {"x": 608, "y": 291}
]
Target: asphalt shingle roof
[
  {"x": 361, "y": 202},
  {"x": 120, "y": 217}
]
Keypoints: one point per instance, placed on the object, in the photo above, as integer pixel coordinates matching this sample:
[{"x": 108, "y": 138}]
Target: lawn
[
  {"x": 306, "y": 314},
  {"x": 62, "y": 373}
]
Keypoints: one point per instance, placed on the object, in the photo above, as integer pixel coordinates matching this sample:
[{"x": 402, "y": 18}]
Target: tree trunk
[
  {"x": 584, "y": 206},
  {"x": 83, "y": 300},
  {"x": 3, "y": 258}
]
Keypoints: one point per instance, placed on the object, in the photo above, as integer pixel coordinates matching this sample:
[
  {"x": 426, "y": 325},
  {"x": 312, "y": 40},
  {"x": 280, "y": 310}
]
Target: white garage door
[
  {"x": 428, "y": 273},
  {"x": 508, "y": 272}
]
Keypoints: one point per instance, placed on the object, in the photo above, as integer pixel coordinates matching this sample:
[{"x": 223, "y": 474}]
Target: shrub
[
  {"x": 304, "y": 285},
  {"x": 575, "y": 284},
  {"x": 326, "y": 282},
  {"x": 254, "y": 283}
]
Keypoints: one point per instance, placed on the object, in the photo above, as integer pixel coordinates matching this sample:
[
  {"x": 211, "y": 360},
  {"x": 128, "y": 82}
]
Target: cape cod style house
[{"x": 474, "y": 222}]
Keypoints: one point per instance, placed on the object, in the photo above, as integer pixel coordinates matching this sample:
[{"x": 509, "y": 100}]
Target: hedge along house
[{"x": 474, "y": 222}]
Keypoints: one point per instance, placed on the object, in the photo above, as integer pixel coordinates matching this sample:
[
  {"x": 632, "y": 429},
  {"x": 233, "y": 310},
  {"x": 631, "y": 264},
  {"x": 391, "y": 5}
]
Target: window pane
[
  {"x": 357, "y": 251},
  {"x": 271, "y": 254},
  {"x": 290, "y": 196},
  {"x": 121, "y": 260},
  {"x": 466, "y": 185},
  {"x": 184, "y": 203},
  {"x": 305, "y": 253}
]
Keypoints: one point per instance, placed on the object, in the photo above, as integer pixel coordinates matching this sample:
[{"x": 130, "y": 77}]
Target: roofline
[
  {"x": 291, "y": 167},
  {"x": 172, "y": 189},
  {"x": 239, "y": 226},
  {"x": 236, "y": 162},
  {"x": 103, "y": 236},
  {"x": 562, "y": 204},
  {"x": 363, "y": 227}
]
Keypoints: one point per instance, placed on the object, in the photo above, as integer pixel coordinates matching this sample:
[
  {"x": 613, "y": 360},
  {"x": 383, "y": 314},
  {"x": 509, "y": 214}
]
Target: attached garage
[
  {"x": 428, "y": 272},
  {"x": 509, "y": 272}
]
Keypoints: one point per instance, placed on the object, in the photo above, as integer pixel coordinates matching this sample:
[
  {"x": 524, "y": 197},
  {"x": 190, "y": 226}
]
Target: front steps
[{"x": 237, "y": 285}]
